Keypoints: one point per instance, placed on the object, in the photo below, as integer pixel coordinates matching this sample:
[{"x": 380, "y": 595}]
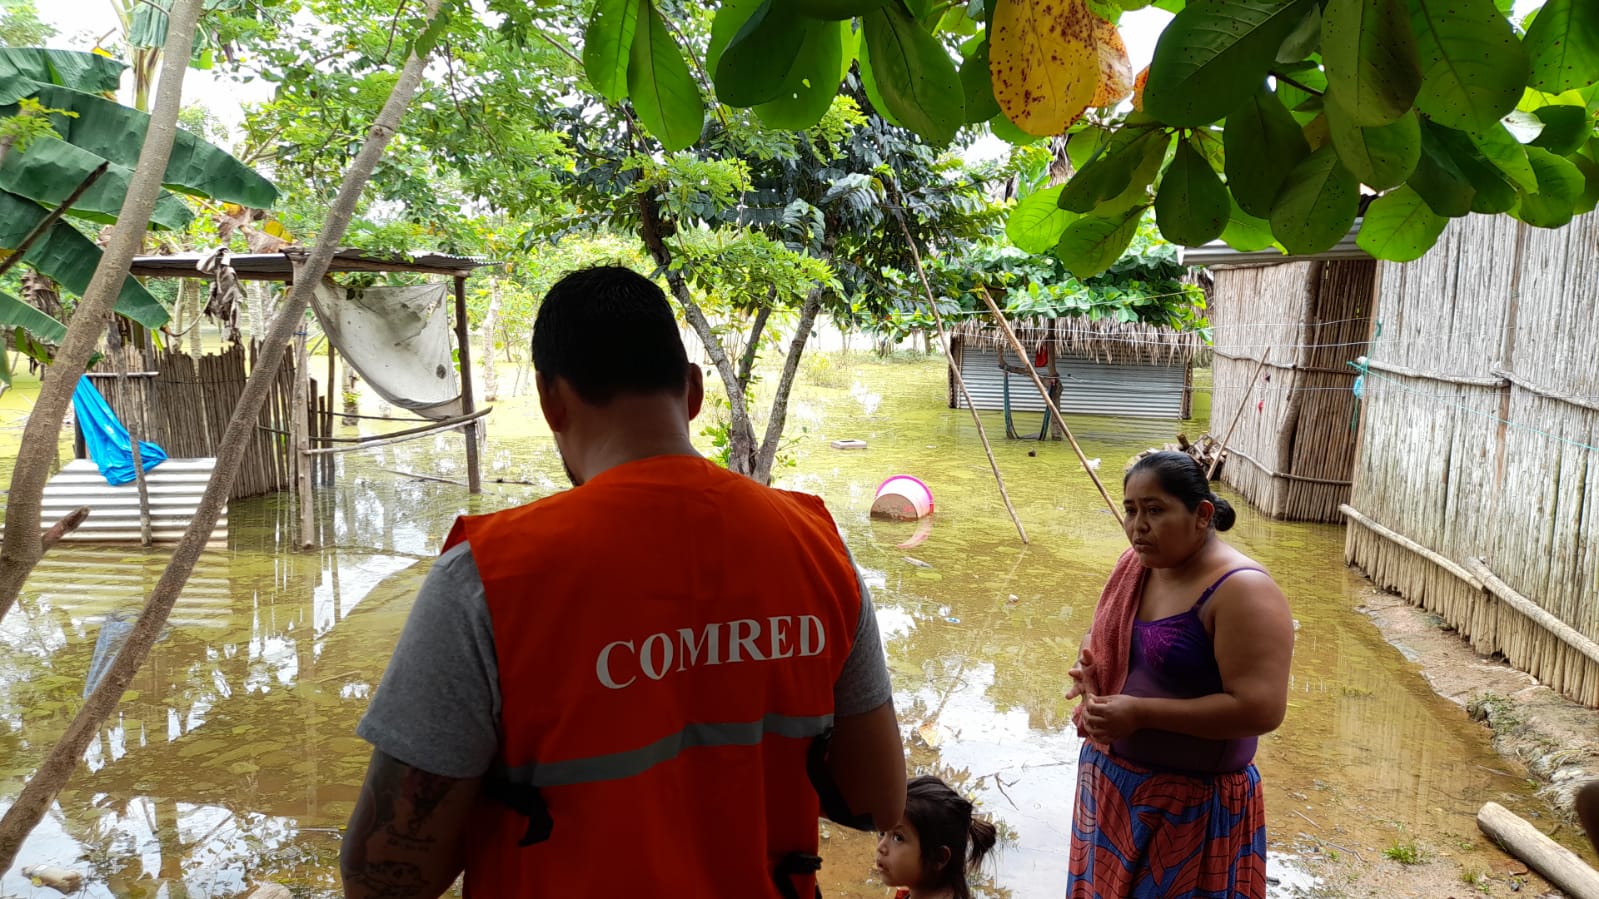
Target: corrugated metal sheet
[
  {"x": 175, "y": 487},
  {"x": 1087, "y": 388}
]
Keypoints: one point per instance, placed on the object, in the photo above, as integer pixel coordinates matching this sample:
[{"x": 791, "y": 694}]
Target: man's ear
[
  {"x": 552, "y": 402},
  {"x": 695, "y": 400}
]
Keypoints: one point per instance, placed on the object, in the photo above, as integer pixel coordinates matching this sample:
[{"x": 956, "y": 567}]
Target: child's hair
[{"x": 943, "y": 819}]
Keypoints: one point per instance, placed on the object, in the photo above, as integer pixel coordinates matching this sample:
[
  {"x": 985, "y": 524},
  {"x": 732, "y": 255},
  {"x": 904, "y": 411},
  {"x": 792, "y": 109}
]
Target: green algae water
[{"x": 232, "y": 759}]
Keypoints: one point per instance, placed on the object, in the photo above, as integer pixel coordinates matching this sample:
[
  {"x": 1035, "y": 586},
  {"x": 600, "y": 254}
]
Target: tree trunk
[
  {"x": 778, "y": 418},
  {"x": 491, "y": 325},
  {"x": 36, "y": 454},
  {"x": 43, "y": 787},
  {"x": 741, "y": 433},
  {"x": 746, "y": 365}
]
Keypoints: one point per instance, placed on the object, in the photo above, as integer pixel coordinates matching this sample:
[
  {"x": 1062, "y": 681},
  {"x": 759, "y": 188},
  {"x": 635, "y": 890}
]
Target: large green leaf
[
  {"x": 1563, "y": 42},
  {"x": 1213, "y": 55},
  {"x": 836, "y": 9},
  {"x": 1382, "y": 156},
  {"x": 977, "y": 85},
  {"x": 1263, "y": 142},
  {"x": 1304, "y": 40},
  {"x": 115, "y": 132},
  {"x": 148, "y": 29},
  {"x": 49, "y": 170},
  {"x": 22, "y": 70},
  {"x": 1317, "y": 206},
  {"x": 813, "y": 82},
  {"x": 1037, "y": 222},
  {"x": 1565, "y": 128},
  {"x": 1587, "y": 162},
  {"x": 70, "y": 258},
  {"x": 1560, "y": 186},
  {"x": 1473, "y": 67},
  {"x": 608, "y": 45},
  {"x": 1400, "y": 226},
  {"x": 1191, "y": 207},
  {"x": 1246, "y": 233},
  {"x": 1370, "y": 56},
  {"x": 1493, "y": 190},
  {"x": 755, "y": 65},
  {"x": 1129, "y": 162},
  {"x": 14, "y": 313},
  {"x": 1440, "y": 181},
  {"x": 1091, "y": 245},
  {"x": 1500, "y": 148},
  {"x": 914, "y": 75},
  {"x": 1003, "y": 128},
  {"x": 663, "y": 91}
]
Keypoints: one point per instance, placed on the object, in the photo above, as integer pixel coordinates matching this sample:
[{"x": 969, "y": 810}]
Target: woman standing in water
[{"x": 1185, "y": 667}]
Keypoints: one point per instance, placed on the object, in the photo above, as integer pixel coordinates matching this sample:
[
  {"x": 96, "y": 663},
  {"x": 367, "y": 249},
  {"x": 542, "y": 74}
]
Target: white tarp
[{"x": 399, "y": 341}]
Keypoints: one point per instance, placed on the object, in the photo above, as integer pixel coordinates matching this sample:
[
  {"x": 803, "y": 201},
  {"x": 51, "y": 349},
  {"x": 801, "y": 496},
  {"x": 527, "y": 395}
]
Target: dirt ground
[{"x": 1543, "y": 737}]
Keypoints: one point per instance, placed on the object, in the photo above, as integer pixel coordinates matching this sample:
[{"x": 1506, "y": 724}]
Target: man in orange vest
[{"x": 652, "y": 682}]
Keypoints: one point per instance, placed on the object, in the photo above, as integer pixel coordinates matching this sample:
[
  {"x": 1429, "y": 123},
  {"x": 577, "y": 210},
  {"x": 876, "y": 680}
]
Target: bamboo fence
[
  {"x": 1102, "y": 341},
  {"x": 1293, "y": 450},
  {"x": 1476, "y": 488},
  {"x": 184, "y": 404}
]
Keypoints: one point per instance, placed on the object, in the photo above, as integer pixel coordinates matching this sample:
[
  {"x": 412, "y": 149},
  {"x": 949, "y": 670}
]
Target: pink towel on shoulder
[{"x": 1111, "y": 640}]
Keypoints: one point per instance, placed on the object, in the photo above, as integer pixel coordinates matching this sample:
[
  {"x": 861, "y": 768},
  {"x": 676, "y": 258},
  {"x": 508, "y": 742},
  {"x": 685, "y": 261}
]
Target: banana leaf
[
  {"x": 70, "y": 259},
  {"x": 22, "y": 70},
  {"x": 14, "y": 313},
  {"x": 49, "y": 170}
]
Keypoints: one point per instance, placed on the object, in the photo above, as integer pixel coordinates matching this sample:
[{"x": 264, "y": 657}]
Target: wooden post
[
  {"x": 474, "y": 477},
  {"x": 327, "y": 420},
  {"x": 1021, "y": 353},
  {"x": 1249, "y": 389},
  {"x": 300, "y": 428},
  {"x": 1560, "y": 865},
  {"x": 131, "y": 420}
]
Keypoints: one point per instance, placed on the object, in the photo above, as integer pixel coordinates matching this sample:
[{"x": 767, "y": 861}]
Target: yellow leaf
[
  {"x": 276, "y": 230},
  {"x": 1138, "y": 89},
  {"x": 1044, "y": 62},
  {"x": 101, "y": 51},
  {"x": 1115, "y": 69}
]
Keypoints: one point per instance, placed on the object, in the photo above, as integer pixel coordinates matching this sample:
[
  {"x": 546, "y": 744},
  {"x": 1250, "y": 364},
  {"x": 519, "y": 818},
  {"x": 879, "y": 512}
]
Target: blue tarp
[{"x": 106, "y": 438}]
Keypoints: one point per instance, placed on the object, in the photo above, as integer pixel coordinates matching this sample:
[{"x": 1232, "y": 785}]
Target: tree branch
[
  {"x": 49, "y": 221},
  {"x": 778, "y": 419}
]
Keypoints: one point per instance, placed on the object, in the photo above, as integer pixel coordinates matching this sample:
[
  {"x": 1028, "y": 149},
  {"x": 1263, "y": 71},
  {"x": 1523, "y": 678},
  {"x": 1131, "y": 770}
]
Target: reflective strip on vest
[{"x": 620, "y": 765}]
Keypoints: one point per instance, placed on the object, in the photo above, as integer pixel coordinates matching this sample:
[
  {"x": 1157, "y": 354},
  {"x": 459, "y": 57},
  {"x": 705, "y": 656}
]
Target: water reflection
[{"x": 233, "y": 758}]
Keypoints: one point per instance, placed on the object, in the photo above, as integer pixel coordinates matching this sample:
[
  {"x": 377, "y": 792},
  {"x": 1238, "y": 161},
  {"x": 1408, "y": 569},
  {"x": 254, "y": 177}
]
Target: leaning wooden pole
[
  {"x": 463, "y": 340},
  {"x": 1016, "y": 345},
  {"x": 955, "y": 371},
  {"x": 42, "y": 788},
  {"x": 1559, "y": 865},
  {"x": 1237, "y": 414}
]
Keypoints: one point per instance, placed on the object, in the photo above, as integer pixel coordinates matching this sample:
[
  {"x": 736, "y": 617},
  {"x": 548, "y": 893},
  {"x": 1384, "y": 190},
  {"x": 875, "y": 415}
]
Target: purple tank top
[{"x": 1174, "y": 658}]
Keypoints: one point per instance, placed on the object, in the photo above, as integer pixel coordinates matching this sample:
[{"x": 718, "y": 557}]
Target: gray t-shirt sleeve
[
  {"x": 438, "y": 706},
  {"x": 863, "y": 684}
]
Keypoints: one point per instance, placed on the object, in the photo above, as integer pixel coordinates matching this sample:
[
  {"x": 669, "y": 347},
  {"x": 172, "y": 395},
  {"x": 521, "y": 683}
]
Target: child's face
[{"x": 899, "y": 856}]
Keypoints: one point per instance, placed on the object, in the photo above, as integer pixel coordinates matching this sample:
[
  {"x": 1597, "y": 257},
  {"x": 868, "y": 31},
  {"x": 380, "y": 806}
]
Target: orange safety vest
[{"x": 668, "y": 637}]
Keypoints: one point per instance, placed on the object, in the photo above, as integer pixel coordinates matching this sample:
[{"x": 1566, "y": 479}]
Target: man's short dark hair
[{"x": 608, "y": 331}]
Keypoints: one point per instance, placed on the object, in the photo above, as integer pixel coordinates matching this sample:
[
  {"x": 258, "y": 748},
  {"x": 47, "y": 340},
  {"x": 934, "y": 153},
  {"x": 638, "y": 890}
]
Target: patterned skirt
[{"x": 1143, "y": 834}]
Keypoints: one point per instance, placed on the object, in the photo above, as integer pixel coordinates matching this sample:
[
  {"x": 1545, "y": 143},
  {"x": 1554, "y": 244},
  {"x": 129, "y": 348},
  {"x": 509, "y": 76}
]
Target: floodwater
[{"x": 233, "y": 759}]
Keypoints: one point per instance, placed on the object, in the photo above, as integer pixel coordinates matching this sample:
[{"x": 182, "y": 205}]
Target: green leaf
[
  {"x": 755, "y": 65},
  {"x": 915, "y": 76},
  {"x": 1380, "y": 157},
  {"x": 115, "y": 132},
  {"x": 23, "y": 70},
  {"x": 1004, "y": 129},
  {"x": 1507, "y": 154},
  {"x": 1304, "y": 40},
  {"x": 1370, "y": 55},
  {"x": 1560, "y": 185},
  {"x": 1191, "y": 207},
  {"x": 14, "y": 313},
  {"x": 1563, "y": 42},
  {"x": 1263, "y": 142},
  {"x": 1082, "y": 146},
  {"x": 1589, "y": 200},
  {"x": 1317, "y": 206},
  {"x": 70, "y": 259},
  {"x": 1212, "y": 56},
  {"x": 49, "y": 170},
  {"x": 608, "y": 44},
  {"x": 663, "y": 91},
  {"x": 1493, "y": 191},
  {"x": 1091, "y": 245},
  {"x": 1439, "y": 180},
  {"x": 1246, "y": 233},
  {"x": 977, "y": 86},
  {"x": 730, "y": 18},
  {"x": 1565, "y": 129},
  {"x": 1037, "y": 222},
  {"x": 1399, "y": 227},
  {"x": 836, "y": 9},
  {"x": 1111, "y": 174},
  {"x": 1472, "y": 66},
  {"x": 813, "y": 82}
]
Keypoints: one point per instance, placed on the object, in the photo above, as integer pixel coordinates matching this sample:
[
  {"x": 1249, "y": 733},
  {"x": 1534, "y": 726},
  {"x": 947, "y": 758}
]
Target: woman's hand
[
  {"x": 1110, "y": 718},
  {"x": 1082, "y": 675}
]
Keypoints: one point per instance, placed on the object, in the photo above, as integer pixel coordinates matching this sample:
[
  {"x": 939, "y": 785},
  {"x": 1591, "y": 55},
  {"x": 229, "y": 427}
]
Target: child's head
[{"x": 928, "y": 850}]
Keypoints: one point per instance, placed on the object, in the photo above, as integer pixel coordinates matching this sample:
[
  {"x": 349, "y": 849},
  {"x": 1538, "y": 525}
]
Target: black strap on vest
[
  {"x": 527, "y": 801},
  {"x": 795, "y": 864},
  {"x": 834, "y": 806}
]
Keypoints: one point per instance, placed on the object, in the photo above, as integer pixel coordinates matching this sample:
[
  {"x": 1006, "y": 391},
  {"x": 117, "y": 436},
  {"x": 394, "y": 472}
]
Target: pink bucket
[{"x": 902, "y": 498}]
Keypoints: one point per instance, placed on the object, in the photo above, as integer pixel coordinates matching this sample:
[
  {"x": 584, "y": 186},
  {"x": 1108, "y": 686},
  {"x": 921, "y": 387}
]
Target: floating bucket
[{"x": 902, "y": 498}]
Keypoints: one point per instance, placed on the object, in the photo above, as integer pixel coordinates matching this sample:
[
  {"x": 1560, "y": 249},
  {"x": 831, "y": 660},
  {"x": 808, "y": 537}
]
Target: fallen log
[{"x": 1559, "y": 865}]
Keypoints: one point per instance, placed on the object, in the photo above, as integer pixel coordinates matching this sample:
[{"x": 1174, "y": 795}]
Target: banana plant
[{"x": 81, "y": 130}]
